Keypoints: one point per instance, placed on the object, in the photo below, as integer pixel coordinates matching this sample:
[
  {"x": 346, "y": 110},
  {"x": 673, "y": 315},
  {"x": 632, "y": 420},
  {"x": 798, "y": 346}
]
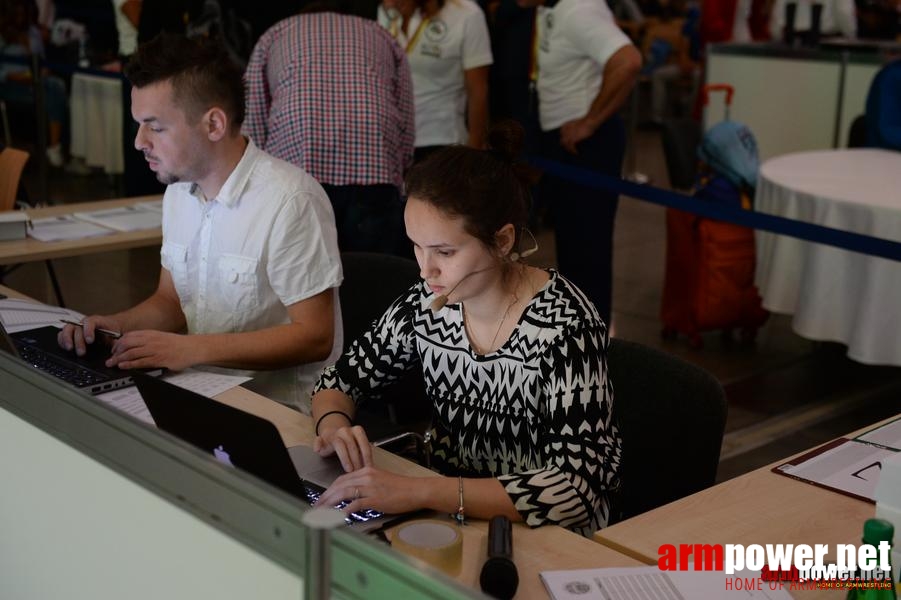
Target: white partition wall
[
  {"x": 73, "y": 528},
  {"x": 95, "y": 505},
  {"x": 792, "y": 99}
]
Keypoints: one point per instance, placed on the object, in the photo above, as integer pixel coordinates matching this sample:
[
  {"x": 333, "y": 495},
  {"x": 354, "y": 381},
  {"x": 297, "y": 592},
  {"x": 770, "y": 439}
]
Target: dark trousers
[
  {"x": 369, "y": 218},
  {"x": 583, "y": 217}
]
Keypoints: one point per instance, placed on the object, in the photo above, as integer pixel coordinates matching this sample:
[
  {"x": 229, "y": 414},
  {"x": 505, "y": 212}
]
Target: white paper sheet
[
  {"x": 889, "y": 435},
  {"x": 207, "y": 384},
  {"x": 154, "y": 205},
  {"x": 128, "y": 400},
  {"x": 124, "y": 218},
  {"x": 650, "y": 583},
  {"x": 64, "y": 227},
  {"x": 21, "y": 315}
]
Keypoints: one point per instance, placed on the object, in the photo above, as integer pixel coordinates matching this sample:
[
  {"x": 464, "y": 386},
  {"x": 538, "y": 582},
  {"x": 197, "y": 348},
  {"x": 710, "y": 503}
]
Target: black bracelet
[{"x": 333, "y": 412}]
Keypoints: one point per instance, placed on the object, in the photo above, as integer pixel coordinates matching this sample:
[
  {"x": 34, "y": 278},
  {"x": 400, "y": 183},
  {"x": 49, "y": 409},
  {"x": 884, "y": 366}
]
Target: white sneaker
[{"x": 55, "y": 155}]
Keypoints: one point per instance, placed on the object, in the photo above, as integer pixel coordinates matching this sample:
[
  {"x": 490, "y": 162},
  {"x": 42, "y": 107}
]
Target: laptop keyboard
[
  {"x": 361, "y": 516},
  {"x": 68, "y": 372}
]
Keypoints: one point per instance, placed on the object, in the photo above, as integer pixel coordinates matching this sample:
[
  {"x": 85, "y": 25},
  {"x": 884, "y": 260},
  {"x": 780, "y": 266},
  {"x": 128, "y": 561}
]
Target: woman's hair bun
[{"x": 506, "y": 139}]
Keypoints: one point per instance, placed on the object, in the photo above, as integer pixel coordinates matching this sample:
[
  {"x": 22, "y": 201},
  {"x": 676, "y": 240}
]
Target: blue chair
[{"x": 883, "y": 118}]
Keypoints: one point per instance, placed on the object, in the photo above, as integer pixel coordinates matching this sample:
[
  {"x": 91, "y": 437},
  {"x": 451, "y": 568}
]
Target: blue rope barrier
[{"x": 847, "y": 240}]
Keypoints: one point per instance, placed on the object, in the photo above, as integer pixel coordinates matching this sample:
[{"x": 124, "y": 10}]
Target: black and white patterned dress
[{"x": 536, "y": 413}]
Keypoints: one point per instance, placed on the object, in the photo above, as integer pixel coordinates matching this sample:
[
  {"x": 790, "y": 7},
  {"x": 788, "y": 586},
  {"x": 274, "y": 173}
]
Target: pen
[{"x": 113, "y": 334}]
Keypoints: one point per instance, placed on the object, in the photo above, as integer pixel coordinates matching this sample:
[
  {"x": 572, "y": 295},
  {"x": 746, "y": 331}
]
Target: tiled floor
[{"x": 785, "y": 393}]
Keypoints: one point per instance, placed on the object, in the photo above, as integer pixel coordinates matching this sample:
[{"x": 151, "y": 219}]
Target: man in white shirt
[
  {"x": 586, "y": 68},
  {"x": 128, "y": 15},
  {"x": 250, "y": 260}
]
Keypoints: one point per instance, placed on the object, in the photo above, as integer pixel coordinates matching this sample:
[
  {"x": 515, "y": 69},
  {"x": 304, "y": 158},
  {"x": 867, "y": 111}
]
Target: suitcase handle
[{"x": 717, "y": 87}]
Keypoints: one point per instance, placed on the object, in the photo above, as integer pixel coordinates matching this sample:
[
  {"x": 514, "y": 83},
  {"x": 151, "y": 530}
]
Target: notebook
[
  {"x": 249, "y": 442},
  {"x": 39, "y": 348}
]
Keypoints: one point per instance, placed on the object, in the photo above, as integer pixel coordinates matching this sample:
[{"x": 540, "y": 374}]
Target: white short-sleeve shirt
[
  {"x": 454, "y": 40},
  {"x": 266, "y": 241},
  {"x": 128, "y": 33},
  {"x": 575, "y": 39}
]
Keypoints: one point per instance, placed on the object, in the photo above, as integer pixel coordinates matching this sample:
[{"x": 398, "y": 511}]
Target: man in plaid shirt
[{"x": 332, "y": 94}]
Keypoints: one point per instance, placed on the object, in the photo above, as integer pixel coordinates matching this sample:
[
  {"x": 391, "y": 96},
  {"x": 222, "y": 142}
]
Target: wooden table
[
  {"x": 29, "y": 250},
  {"x": 760, "y": 507},
  {"x": 535, "y": 550}
]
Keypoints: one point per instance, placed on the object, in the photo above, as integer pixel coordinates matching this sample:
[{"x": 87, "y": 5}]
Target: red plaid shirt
[{"x": 332, "y": 94}]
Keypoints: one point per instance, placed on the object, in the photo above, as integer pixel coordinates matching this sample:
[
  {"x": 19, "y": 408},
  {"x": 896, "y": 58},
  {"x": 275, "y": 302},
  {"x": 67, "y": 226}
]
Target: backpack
[
  {"x": 216, "y": 21},
  {"x": 730, "y": 149}
]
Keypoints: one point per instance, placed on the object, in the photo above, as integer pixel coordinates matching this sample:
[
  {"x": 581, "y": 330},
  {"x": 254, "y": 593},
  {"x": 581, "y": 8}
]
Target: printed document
[
  {"x": 650, "y": 583},
  {"x": 124, "y": 218}
]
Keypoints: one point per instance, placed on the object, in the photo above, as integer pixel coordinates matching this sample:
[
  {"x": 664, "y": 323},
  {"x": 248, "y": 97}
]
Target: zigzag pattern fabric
[{"x": 536, "y": 413}]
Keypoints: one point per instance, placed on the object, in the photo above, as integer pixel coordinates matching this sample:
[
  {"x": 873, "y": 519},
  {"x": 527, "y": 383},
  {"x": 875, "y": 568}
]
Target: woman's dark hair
[
  {"x": 487, "y": 188},
  {"x": 201, "y": 70}
]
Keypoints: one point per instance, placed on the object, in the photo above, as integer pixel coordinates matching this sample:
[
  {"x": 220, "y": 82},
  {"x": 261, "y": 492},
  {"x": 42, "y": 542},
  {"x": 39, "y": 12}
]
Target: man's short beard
[{"x": 167, "y": 178}]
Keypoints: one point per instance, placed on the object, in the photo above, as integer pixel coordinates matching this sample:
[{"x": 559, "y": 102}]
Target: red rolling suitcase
[{"x": 709, "y": 279}]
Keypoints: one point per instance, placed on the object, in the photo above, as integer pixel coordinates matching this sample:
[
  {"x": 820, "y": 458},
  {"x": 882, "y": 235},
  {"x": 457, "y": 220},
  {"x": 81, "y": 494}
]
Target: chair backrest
[
  {"x": 12, "y": 162},
  {"x": 671, "y": 416},
  {"x": 882, "y": 120},
  {"x": 371, "y": 283}
]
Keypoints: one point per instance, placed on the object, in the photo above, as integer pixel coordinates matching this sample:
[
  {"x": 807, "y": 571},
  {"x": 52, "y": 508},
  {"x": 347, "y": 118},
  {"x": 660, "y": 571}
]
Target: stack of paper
[
  {"x": 13, "y": 224},
  {"x": 65, "y": 227},
  {"x": 125, "y": 218},
  {"x": 20, "y": 315}
]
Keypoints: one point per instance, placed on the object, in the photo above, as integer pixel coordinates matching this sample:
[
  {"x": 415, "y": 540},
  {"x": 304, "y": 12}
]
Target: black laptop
[
  {"x": 39, "y": 348},
  {"x": 249, "y": 442}
]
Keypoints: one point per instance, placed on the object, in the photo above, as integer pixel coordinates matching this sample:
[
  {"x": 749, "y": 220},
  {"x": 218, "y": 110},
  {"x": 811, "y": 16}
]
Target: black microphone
[{"x": 499, "y": 577}]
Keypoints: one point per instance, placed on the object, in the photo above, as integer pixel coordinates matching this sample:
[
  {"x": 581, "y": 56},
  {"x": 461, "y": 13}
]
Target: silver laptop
[{"x": 249, "y": 442}]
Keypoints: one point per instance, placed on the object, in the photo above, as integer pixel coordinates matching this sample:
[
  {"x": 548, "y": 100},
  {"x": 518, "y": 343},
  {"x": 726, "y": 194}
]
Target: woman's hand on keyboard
[{"x": 350, "y": 444}]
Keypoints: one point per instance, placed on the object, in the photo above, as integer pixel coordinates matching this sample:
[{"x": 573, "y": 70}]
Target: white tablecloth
[
  {"x": 834, "y": 295},
  {"x": 96, "y": 114}
]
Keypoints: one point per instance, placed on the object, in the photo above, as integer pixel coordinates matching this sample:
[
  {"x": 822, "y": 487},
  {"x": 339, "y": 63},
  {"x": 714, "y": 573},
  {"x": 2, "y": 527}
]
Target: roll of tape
[{"x": 437, "y": 543}]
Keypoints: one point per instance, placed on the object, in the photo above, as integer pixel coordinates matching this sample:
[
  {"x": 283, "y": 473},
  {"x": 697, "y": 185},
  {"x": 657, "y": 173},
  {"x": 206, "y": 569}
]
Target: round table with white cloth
[{"x": 834, "y": 295}]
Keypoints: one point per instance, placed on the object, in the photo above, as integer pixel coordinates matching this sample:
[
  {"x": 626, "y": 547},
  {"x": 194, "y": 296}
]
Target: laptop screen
[{"x": 6, "y": 342}]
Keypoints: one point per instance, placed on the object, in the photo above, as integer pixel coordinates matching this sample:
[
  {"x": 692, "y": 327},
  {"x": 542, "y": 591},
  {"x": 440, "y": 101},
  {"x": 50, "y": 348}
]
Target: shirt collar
[{"x": 234, "y": 186}]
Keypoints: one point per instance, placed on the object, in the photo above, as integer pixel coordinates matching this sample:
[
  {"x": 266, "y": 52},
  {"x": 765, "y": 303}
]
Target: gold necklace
[{"x": 475, "y": 344}]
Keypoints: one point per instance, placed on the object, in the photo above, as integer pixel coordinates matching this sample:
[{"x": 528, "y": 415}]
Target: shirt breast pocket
[
  {"x": 238, "y": 283},
  {"x": 174, "y": 258}
]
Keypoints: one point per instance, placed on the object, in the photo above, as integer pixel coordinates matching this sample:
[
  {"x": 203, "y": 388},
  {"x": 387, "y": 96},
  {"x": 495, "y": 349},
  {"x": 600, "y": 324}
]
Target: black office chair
[
  {"x": 671, "y": 416},
  {"x": 371, "y": 283}
]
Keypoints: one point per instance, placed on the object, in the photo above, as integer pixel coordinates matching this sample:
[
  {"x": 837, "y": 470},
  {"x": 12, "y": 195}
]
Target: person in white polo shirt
[
  {"x": 584, "y": 68},
  {"x": 449, "y": 53}
]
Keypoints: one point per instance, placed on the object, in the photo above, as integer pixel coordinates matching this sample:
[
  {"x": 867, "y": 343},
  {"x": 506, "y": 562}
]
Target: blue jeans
[{"x": 584, "y": 217}]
